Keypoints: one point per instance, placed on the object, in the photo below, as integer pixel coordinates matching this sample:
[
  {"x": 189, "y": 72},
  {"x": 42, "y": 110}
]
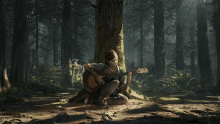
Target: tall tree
[
  {"x": 216, "y": 25},
  {"x": 109, "y": 30},
  {"x": 66, "y": 46},
  {"x": 4, "y": 82},
  {"x": 159, "y": 42},
  {"x": 55, "y": 42},
  {"x": 80, "y": 34},
  {"x": 141, "y": 30},
  {"x": 179, "y": 38},
  {"x": 19, "y": 71},
  {"x": 37, "y": 39},
  {"x": 192, "y": 45},
  {"x": 203, "y": 51}
]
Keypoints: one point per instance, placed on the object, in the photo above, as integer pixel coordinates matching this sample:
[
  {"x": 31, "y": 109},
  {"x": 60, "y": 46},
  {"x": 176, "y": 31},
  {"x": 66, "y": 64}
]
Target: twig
[{"x": 95, "y": 6}]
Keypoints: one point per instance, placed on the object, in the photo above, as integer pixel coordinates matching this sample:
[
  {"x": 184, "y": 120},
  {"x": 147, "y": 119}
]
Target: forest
[{"x": 45, "y": 43}]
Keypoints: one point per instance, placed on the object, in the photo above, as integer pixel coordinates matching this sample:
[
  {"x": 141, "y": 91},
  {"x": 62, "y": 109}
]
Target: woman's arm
[
  {"x": 124, "y": 87},
  {"x": 89, "y": 67}
]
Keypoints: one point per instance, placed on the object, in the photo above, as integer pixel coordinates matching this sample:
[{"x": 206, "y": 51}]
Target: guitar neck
[{"x": 125, "y": 73}]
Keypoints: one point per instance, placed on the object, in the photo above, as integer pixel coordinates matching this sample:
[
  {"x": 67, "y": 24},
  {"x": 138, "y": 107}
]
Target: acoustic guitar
[{"x": 92, "y": 85}]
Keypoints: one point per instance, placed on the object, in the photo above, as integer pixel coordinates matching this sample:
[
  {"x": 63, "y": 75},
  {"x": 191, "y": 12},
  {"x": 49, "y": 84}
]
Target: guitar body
[{"x": 89, "y": 81}]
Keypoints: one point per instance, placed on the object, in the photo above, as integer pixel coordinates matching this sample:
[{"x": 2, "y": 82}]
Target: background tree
[
  {"x": 192, "y": 44},
  {"x": 19, "y": 70},
  {"x": 159, "y": 48},
  {"x": 37, "y": 38},
  {"x": 203, "y": 51},
  {"x": 66, "y": 65},
  {"x": 4, "y": 82},
  {"x": 79, "y": 33},
  {"x": 216, "y": 25},
  {"x": 179, "y": 38}
]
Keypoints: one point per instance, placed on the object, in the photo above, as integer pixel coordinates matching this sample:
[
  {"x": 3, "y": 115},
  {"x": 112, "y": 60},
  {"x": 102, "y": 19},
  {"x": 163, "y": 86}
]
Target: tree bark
[
  {"x": 4, "y": 82},
  {"x": 203, "y": 51},
  {"x": 66, "y": 77},
  {"x": 159, "y": 42},
  {"x": 109, "y": 30},
  {"x": 141, "y": 28},
  {"x": 179, "y": 39},
  {"x": 216, "y": 25},
  {"x": 192, "y": 45},
  {"x": 37, "y": 37},
  {"x": 55, "y": 46},
  {"x": 19, "y": 69},
  {"x": 55, "y": 43}
]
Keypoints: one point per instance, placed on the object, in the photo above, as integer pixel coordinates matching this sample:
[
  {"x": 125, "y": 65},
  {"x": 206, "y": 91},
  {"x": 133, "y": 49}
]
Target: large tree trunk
[
  {"x": 66, "y": 77},
  {"x": 179, "y": 39},
  {"x": 192, "y": 46},
  {"x": 109, "y": 30},
  {"x": 216, "y": 25},
  {"x": 159, "y": 45},
  {"x": 203, "y": 51},
  {"x": 19, "y": 69},
  {"x": 109, "y": 35},
  {"x": 4, "y": 82}
]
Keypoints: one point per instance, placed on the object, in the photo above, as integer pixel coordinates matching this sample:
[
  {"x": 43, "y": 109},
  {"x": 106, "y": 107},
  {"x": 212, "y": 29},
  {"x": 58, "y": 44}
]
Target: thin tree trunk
[
  {"x": 179, "y": 39},
  {"x": 131, "y": 44},
  {"x": 66, "y": 77},
  {"x": 4, "y": 82},
  {"x": 203, "y": 51},
  {"x": 159, "y": 42},
  {"x": 109, "y": 30},
  {"x": 216, "y": 25},
  {"x": 19, "y": 70},
  {"x": 141, "y": 28},
  {"x": 192, "y": 45},
  {"x": 37, "y": 37},
  {"x": 55, "y": 48},
  {"x": 26, "y": 41}
]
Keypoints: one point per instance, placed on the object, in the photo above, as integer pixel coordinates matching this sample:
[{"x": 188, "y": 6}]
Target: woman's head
[{"x": 111, "y": 57}]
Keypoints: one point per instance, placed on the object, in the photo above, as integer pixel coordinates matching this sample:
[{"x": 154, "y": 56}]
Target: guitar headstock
[{"x": 142, "y": 70}]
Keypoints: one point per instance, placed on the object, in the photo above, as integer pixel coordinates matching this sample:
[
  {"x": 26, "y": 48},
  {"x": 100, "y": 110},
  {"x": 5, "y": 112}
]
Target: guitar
[{"x": 91, "y": 84}]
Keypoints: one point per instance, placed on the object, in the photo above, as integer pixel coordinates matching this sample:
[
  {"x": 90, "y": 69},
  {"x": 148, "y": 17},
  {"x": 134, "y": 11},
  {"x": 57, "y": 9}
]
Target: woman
[{"x": 108, "y": 93}]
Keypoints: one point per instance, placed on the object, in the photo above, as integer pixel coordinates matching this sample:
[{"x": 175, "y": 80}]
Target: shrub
[{"x": 181, "y": 81}]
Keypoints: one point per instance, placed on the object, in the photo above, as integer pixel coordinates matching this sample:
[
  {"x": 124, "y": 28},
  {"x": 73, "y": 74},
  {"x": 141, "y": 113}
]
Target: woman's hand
[
  {"x": 87, "y": 66},
  {"x": 129, "y": 76},
  {"x": 100, "y": 80},
  {"x": 123, "y": 88}
]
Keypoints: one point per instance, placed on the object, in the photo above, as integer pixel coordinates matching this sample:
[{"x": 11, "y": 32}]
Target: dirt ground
[{"x": 158, "y": 110}]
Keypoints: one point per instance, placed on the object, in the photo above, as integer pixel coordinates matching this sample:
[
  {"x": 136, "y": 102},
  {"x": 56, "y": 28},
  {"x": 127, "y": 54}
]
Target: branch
[{"x": 95, "y": 6}]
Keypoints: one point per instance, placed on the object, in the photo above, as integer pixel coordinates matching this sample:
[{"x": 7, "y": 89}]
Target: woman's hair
[{"x": 110, "y": 55}]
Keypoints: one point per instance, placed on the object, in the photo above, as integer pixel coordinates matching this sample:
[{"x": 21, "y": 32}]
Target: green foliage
[
  {"x": 44, "y": 74},
  {"x": 181, "y": 81},
  {"x": 47, "y": 77}
]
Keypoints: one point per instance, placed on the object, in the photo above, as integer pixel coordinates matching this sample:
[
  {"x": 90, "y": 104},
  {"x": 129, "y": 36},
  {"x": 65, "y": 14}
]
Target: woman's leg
[{"x": 107, "y": 90}]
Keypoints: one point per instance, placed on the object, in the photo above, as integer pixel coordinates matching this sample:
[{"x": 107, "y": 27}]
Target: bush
[{"x": 181, "y": 81}]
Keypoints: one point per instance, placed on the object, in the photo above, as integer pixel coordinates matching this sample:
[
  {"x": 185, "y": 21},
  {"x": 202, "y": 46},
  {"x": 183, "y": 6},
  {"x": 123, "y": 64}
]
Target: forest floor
[{"x": 54, "y": 109}]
